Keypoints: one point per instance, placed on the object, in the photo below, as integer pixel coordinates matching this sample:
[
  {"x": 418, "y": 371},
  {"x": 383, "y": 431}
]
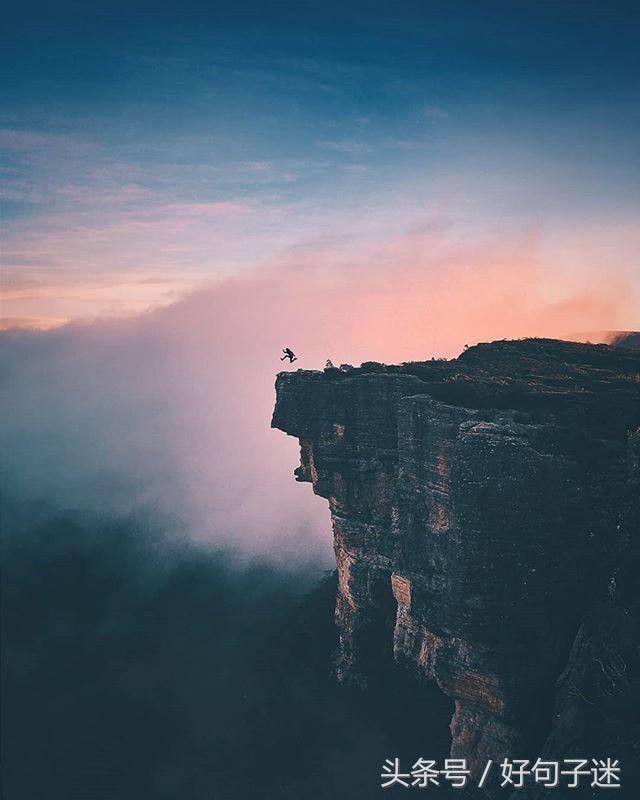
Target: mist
[
  {"x": 135, "y": 666},
  {"x": 167, "y": 627},
  {"x": 168, "y": 412}
]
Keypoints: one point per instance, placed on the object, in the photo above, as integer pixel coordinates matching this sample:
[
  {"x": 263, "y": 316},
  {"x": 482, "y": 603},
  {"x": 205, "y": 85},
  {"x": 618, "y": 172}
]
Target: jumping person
[{"x": 288, "y": 353}]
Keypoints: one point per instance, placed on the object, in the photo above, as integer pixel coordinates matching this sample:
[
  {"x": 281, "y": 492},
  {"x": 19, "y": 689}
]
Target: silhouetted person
[{"x": 288, "y": 353}]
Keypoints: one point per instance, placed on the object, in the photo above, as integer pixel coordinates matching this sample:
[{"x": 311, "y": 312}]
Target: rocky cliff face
[{"x": 485, "y": 519}]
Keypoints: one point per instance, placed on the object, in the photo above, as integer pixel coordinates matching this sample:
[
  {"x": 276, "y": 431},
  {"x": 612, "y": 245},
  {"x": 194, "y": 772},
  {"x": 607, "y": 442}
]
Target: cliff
[{"x": 485, "y": 521}]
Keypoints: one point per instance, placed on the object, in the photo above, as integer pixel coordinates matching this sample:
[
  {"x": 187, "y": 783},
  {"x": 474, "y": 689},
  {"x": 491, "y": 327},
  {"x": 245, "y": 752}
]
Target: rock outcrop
[{"x": 485, "y": 520}]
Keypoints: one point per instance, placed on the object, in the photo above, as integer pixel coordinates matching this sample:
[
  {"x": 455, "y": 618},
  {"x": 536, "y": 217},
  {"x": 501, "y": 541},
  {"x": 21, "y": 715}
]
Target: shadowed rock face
[{"x": 483, "y": 509}]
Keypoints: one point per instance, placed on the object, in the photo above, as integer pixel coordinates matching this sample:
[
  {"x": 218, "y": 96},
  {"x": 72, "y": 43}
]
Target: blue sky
[{"x": 149, "y": 147}]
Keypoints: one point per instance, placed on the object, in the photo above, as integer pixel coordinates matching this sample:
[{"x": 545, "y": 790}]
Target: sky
[
  {"x": 186, "y": 188},
  {"x": 154, "y": 149}
]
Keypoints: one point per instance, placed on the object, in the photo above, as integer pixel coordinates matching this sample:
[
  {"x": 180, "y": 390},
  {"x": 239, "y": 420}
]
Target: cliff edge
[{"x": 485, "y": 520}]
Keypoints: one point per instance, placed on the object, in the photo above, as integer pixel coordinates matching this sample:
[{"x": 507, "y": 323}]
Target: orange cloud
[
  {"x": 170, "y": 409},
  {"x": 420, "y": 296}
]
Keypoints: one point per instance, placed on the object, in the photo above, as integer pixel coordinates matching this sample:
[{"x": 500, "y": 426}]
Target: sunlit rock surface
[{"x": 485, "y": 520}]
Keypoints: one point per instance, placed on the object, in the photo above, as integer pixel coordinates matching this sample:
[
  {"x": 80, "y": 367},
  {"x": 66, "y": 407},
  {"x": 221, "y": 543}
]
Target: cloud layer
[{"x": 170, "y": 410}]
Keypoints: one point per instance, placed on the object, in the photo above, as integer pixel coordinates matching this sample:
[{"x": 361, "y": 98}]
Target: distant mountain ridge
[{"x": 614, "y": 338}]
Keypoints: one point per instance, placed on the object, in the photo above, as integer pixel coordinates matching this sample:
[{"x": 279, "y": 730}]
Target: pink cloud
[
  {"x": 419, "y": 294},
  {"x": 170, "y": 409}
]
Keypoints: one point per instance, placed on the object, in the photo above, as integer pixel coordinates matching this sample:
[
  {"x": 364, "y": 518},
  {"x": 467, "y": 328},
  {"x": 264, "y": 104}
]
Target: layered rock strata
[{"x": 481, "y": 509}]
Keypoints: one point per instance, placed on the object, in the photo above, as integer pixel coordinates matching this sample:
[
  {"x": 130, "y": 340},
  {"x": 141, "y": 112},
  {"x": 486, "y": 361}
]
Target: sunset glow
[{"x": 193, "y": 151}]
